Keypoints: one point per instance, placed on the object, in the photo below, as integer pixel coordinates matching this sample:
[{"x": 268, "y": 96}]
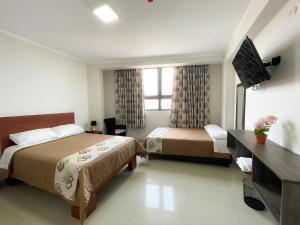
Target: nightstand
[{"x": 94, "y": 132}]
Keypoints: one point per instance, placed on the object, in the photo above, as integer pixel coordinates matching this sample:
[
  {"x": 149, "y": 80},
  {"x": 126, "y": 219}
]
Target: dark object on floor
[
  {"x": 12, "y": 182},
  {"x": 114, "y": 129},
  {"x": 251, "y": 197},
  {"x": 214, "y": 161}
]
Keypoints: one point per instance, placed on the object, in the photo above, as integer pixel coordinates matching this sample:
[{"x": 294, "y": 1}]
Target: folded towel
[{"x": 245, "y": 164}]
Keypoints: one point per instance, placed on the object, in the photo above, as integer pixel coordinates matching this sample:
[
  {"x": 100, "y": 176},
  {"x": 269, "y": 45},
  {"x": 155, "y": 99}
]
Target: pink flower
[
  {"x": 271, "y": 120},
  {"x": 260, "y": 125}
]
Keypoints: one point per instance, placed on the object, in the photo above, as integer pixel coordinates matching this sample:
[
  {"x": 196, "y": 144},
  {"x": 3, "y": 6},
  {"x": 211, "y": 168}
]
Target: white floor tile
[
  {"x": 250, "y": 217},
  {"x": 158, "y": 192}
]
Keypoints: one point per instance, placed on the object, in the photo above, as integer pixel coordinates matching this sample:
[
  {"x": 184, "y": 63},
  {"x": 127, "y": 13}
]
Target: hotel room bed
[
  {"x": 37, "y": 165},
  {"x": 187, "y": 142}
]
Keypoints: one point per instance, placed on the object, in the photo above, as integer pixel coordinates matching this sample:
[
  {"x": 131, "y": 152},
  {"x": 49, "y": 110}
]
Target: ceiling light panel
[{"x": 106, "y": 14}]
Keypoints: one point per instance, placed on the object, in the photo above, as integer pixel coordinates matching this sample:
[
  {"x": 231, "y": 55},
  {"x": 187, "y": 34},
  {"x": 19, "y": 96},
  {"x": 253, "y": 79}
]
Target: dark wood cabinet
[{"x": 275, "y": 174}]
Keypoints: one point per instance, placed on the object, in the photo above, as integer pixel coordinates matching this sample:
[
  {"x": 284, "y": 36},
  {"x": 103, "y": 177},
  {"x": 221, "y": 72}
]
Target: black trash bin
[{"x": 251, "y": 197}]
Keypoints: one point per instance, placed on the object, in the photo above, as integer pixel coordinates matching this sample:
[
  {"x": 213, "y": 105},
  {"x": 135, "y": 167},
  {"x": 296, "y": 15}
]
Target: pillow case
[
  {"x": 33, "y": 137},
  {"x": 67, "y": 130},
  {"x": 216, "y": 132}
]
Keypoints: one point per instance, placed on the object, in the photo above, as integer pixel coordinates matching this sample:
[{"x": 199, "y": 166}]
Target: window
[{"x": 158, "y": 84}]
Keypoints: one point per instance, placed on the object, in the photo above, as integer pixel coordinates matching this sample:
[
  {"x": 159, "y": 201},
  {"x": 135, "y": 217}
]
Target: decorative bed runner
[
  {"x": 67, "y": 170},
  {"x": 154, "y": 139}
]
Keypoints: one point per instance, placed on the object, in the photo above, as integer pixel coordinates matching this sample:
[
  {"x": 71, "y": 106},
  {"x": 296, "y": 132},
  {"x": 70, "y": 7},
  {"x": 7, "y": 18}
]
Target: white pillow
[
  {"x": 216, "y": 132},
  {"x": 67, "y": 130},
  {"x": 33, "y": 137}
]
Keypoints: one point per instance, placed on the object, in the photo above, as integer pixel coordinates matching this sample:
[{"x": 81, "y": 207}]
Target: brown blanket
[
  {"x": 189, "y": 142},
  {"x": 36, "y": 165}
]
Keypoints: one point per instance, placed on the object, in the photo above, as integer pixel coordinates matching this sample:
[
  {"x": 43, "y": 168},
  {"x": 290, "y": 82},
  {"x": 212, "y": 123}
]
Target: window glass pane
[
  {"x": 150, "y": 77},
  {"x": 151, "y": 103},
  {"x": 167, "y": 75},
  {"x": 166, "y": 103}
]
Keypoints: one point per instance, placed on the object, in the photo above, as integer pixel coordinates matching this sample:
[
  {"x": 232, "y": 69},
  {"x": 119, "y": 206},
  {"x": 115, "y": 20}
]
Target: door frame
[{"x": 236, "y": 106}]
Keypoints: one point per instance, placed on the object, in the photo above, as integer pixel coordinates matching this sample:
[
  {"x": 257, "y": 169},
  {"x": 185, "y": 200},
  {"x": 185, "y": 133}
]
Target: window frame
[{"x": 159, "y": 96}]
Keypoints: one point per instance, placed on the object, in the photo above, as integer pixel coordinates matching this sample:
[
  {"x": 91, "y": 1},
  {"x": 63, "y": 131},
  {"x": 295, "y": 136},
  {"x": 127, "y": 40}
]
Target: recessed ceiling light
[{"x": 106, "y": 14}]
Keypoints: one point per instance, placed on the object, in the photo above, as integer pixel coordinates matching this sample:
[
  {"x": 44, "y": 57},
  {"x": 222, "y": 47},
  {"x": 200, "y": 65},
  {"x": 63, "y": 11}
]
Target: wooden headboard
[{"x": 15, "y": 124}]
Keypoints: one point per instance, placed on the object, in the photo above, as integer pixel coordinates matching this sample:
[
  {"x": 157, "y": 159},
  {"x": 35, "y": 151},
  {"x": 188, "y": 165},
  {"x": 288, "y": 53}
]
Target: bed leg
[
  {"x": 132, "y": 163},
  {"x": 75, "y": 210}
]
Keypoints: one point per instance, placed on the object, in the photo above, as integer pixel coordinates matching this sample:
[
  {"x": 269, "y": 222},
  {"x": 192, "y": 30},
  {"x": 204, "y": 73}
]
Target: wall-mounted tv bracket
[{"x": 273, "y": 62}]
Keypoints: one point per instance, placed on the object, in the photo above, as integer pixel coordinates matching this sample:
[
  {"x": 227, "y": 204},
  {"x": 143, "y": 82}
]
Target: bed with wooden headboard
[
  {"x": 36, "y": 165},
  {"x": 15, "y": 124}
]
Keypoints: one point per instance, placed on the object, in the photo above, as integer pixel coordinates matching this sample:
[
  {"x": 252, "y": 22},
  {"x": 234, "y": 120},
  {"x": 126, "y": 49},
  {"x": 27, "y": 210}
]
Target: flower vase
[{"x": 261, "y": 138}]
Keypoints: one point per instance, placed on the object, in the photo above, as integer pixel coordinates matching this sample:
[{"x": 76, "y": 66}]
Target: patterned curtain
[
  {"x": 130, "y": 108},
  {"x": 190, "y": 97}
]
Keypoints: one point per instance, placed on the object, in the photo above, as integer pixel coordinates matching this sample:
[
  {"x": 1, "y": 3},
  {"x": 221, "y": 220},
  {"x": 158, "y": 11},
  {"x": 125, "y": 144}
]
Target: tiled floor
[{"x": 159, "y": 192}]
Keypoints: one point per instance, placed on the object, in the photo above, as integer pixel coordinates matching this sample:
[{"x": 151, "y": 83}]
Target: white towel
[{"x": 245, "y": 164}]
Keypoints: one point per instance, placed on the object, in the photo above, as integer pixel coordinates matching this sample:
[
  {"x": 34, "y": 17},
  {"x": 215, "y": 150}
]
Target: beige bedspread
[
  {"x": 36, "y": 165},
  {"x": 189, "y": 142}
]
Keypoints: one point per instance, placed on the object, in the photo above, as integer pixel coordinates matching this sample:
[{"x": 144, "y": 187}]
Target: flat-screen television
[{"x": 249, "y": 66}]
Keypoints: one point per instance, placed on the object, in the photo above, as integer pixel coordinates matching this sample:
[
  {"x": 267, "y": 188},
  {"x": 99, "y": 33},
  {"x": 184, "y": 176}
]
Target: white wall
[
  {"x": 254, "y": 10},
  {"x": 109, "y": 93},
  {"x": 156, "y": 119},
  {"x": 96, "y": 95},
  {"x": 215, "y": 99},
  {"x": 280, "y": 96},
  {"x": 228, "y": 90},
  {"x": 34, "y": 80}
]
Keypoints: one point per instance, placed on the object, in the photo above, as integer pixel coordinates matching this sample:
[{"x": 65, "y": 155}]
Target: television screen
[{"x": 249, "y": 66}]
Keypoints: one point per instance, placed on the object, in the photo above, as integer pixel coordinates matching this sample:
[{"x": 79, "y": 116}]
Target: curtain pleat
[
  {"x": 130, "y": 108},
  {"x": 190, "y": 98}
]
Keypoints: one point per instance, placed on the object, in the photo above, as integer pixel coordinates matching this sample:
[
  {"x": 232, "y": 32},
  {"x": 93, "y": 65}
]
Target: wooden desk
[{"x": 275, "y": 174}]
